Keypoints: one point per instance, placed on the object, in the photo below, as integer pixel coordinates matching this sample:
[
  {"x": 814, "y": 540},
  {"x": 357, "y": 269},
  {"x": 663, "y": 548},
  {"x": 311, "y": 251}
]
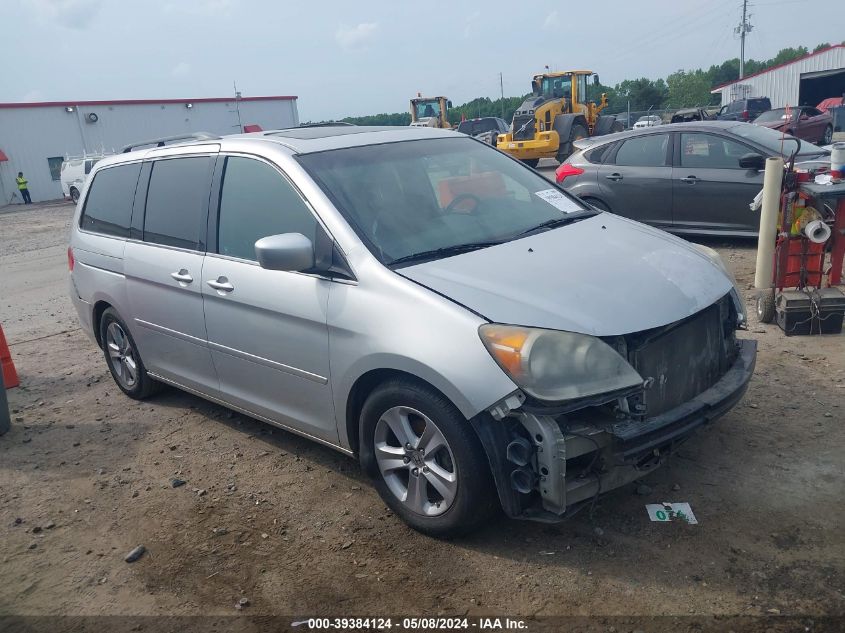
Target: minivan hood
[{"x": 603, "y": 276}]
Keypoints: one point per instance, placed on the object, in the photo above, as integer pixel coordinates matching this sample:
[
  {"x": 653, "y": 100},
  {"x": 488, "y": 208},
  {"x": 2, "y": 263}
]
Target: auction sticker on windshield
[{"x": 558, "y": 200}]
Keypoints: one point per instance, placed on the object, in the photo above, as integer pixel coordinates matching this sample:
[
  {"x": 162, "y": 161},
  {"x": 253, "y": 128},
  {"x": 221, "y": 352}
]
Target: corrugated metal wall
[
  {"x": 29, "y": 136},
  {"x": 781, "y": 84}
]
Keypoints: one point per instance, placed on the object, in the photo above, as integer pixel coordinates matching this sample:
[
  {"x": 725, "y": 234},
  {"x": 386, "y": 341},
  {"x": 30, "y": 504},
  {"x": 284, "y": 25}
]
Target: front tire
[
  {"x": 122, "y": 357},
  {"x": 74, "y": 194},
  {"x": 426, "y": 462}
]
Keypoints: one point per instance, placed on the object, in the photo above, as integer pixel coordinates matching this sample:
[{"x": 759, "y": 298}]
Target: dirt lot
[{"x": 85, "y": 476}]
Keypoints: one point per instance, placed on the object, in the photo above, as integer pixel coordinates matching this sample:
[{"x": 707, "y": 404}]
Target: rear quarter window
[
  {"x": 108, "y": 206},
  {"x": 596, "y": 155}
]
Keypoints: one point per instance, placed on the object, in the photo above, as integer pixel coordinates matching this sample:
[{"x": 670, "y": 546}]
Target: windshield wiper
[
  {"x": 555, "y": 222},
  {"x": 446, "y": 251}
]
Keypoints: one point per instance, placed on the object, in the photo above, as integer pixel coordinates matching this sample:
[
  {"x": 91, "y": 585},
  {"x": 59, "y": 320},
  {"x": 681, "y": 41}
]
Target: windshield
[
  {"x": 415, "y": 197},
  {"x": 556, "y": 87},
  {"x": 774, "y": 141},
  {"x": 774, "y": 115},
  {"x": 427, "y": 108}
]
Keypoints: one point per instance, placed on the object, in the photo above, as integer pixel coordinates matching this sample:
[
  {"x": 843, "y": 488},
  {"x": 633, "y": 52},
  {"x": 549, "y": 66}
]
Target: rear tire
[
  {"x": 531, "y": 162},
  {"x": 617, "y": 127},
  {"x": 426, "y": 462},
  {"x": 122, "y": 357},
  {"x": 828, "y": 135},
  {"x": 74, "y": 194},
  {"x": 766, "y": 306}
]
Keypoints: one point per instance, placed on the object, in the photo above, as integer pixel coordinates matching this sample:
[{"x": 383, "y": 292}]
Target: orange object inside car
[{"x": 487, "y": 184}]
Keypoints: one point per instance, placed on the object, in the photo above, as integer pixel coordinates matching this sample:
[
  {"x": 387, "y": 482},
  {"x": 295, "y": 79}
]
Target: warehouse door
[{"x": 815, "y": 87}]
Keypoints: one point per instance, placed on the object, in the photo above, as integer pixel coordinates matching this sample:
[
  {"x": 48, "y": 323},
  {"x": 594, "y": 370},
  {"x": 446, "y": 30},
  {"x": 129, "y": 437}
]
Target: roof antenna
[{"x": 237, "y": 105}]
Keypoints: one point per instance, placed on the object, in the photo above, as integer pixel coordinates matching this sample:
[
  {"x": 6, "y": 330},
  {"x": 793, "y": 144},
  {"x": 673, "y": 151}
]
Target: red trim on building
[
  {"x": 65, "y": 104},
  {"x": 770, "y": 69},
  {"x": 3, "y": 156}
]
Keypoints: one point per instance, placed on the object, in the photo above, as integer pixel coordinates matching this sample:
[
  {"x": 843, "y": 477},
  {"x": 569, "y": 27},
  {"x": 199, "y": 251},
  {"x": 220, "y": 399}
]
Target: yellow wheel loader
[
  {"x": 430, "y": 112},
  {"x": 556, "y": 114}
]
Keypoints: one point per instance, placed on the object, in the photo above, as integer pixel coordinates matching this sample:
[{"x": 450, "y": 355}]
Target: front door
[
  {"x": 710, "y": 191},
  {"x": 267, "y": 329},
  {"x": 164, "y": 272},
  {"x": 637, "y": 181}
]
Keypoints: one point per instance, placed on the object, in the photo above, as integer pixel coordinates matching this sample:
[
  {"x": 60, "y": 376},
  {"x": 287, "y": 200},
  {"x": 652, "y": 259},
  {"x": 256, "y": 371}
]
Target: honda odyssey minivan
[{"x": 474, "y": 335}]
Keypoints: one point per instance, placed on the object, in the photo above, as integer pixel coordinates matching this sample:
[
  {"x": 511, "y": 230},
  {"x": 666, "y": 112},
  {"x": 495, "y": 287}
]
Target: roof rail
[{"x": 161, "y": 142}]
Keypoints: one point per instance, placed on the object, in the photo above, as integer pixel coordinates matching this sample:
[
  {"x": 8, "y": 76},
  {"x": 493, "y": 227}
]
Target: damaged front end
[{"x": 550, "y": 458}]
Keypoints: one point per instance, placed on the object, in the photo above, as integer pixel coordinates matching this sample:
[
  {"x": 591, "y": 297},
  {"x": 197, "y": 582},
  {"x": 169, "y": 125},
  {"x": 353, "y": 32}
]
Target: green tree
[
  {"x": 821, "y": 47},
  {"x": 688, "y": 89},
  {"x": 642, "y": 93}
]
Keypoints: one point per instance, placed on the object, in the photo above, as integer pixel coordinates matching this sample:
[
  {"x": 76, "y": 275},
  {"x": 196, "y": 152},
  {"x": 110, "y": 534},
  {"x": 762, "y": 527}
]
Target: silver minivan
[{"x": 474, "y": 335}]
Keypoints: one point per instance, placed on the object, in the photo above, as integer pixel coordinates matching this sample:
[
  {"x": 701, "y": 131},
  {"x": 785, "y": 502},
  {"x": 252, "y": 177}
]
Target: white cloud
[
  {"x": 181, "y": 69},
  {"x": 472, "y": 22},
  {"x": 358, "y": 36},
  {"x": 201, "y": 7},
  {"x": 32, "y": 95},
  {"x": 74, "y": 14},
  {"x": 552, "y": 21}
]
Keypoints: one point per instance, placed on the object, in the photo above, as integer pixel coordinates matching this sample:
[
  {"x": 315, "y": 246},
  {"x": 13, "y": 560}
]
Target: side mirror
[
  {"x": 449, "y": 104},
  {"x": 596, "y": 81},
  {"x": 752, "y": 161},
  {"x": 288, "y": 251}
]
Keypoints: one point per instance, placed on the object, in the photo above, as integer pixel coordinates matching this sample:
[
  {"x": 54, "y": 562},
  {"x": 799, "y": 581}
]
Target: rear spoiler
[{"x": 584, "y": 143}]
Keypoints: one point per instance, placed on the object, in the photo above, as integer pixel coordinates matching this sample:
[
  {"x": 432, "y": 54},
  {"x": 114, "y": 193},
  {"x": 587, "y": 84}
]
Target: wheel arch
[
  {"x": 368, "y": 382},
  {"x": 97, "y": 315},
  {"x": 590, "y": 198}
]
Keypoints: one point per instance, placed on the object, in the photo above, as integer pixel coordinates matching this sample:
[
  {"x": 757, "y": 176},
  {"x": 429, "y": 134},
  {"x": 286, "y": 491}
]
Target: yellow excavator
[
  {"x": 430, "y": 112},
  {"x": 556, "y": 114}
]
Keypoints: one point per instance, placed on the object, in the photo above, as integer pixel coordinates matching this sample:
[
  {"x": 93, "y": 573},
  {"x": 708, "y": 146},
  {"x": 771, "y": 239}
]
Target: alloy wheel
[
  {"x": 415, "y": 461},
  {"x": 121, "y": 356}
]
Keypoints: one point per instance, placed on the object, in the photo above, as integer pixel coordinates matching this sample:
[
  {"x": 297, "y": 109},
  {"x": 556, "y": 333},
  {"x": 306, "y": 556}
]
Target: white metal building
[
  {"x": 36, "y": 137},
  {"x": 804, "y": 81}
]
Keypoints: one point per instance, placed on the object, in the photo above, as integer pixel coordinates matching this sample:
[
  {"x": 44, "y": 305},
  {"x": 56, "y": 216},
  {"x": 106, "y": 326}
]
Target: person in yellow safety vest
[{"x": 22, "y": 187}]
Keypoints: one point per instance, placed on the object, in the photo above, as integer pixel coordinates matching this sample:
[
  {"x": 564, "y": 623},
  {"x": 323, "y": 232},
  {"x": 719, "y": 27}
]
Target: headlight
[
  {"x": 714, "y": 257},
  {"x": 554, "y": 365}
]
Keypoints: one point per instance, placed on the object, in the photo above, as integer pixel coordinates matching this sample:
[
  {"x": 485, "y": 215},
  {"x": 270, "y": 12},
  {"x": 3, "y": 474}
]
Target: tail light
[
  {"x": 70, "y": 260},
  {"x": 566, "y": 170},
  {"x": 745, "y": 116}
]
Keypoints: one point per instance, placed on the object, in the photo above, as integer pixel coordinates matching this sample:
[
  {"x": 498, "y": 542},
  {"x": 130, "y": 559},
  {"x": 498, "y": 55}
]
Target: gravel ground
[{"x": 294, "y": 528}]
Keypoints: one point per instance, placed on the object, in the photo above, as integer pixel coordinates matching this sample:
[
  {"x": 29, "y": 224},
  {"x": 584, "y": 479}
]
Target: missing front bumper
[{"x": 569, "y": 461}]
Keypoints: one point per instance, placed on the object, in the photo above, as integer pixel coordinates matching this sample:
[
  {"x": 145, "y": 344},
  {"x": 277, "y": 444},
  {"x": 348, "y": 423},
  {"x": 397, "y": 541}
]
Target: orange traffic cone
[{"x": 10, "y": 376}]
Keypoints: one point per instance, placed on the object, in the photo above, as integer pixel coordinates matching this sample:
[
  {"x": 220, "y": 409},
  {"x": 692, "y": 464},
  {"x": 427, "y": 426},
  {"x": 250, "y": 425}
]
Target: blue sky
[{"x": 354, "y": 58}]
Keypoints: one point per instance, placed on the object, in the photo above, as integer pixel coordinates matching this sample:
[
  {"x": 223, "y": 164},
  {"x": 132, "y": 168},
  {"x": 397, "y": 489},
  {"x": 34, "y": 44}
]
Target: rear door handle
[
  {"x": 614, "y": 177},
  {"x": 183, "y": 276},
  {"x": 690, "y": 180},
  {"x": 221, "y": 284}
]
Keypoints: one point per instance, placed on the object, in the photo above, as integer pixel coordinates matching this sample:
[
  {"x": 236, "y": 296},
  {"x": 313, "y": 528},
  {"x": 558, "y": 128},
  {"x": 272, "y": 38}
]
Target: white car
[
  {"x": 74, "y": 172},
  {"x": 650, "y": 120}
]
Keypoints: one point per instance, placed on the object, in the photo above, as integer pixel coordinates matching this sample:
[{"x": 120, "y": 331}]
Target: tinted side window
[
  {"x": 643, "y": 151},
  {"x": 108, "y": 207},
  {"x": 257, "y": 201},
  {"x": 177, "y": 201},
  {"x": 710, "y": 152},
  {"x": 598, "y": 154}
]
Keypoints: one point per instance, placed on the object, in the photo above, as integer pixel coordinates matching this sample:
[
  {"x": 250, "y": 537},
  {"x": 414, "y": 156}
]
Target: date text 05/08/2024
[{"x": 413, "y": 624}]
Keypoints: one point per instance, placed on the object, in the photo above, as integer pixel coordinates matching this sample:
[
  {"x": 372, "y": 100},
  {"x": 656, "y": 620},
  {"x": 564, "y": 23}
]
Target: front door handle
[
  {"x": 221, "y": 284},
  {"x": 690, "y": 180},
  {"x": 614, "y": 177},
  {"x": 183, "y": 276}
]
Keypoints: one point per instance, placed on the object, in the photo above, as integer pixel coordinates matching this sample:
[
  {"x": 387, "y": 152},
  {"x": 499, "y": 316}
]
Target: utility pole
[
  {"x": 238, "y": 106},
  {"x": 744, "y": 27},
  {"x": 502, "y": 92}
]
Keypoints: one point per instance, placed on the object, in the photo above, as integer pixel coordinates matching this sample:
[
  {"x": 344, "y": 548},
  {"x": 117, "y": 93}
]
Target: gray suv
[{"x": 415, "y": 299}]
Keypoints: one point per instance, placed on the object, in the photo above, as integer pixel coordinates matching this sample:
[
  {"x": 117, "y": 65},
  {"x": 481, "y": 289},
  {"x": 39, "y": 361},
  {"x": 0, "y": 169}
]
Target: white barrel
[
  {"x": 837, "y": 158},
  {"x": 772, "y": 180}
]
